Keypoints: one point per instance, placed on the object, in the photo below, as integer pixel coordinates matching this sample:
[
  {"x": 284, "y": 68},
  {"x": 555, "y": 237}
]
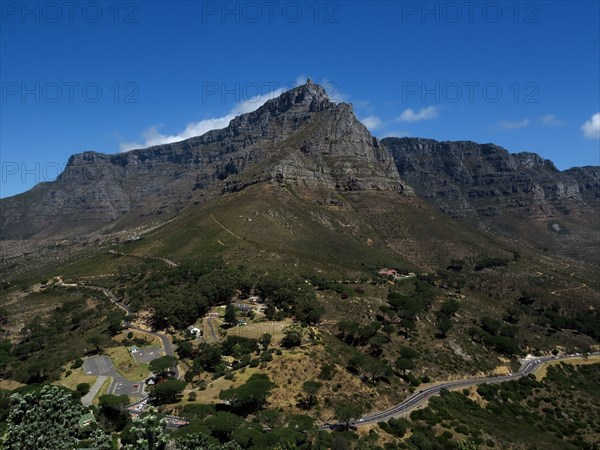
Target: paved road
[
  {"x": 86, "y": 400},
  {"x": 422, "y": 396}
]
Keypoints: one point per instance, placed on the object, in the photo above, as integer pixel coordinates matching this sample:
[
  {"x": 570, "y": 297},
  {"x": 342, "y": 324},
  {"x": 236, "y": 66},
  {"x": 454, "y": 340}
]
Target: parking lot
[
  {"x": 99, "y": 365},
  {"x": 125, "y": 387},
  {"x": 103, "y": 366},
  {"x": 147, "y": 354}
]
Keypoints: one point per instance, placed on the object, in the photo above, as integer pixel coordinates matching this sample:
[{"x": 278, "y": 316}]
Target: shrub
[{"x": 77, "y": 363}]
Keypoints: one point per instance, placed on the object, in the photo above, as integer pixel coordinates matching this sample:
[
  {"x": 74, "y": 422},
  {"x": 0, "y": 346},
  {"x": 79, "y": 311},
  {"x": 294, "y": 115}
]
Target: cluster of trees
[
  {"x": 404, "y": 309},
  {"x": 250, "y": 396},
  {"x": 288, "y": 295},
  {"x": 493, "y": 333},
  {"x": 490, "y": 263},
  {"x": 357, "y": 335},
  {"x": 46, "y": 344},
  {"x": 47, "y": 418},
  {"x": 373, "y": 369},
  {"x": 585, "y": 322},
  {"x": 112, "y": 414},
  {"x": 444, "y": 317},
  {"x": 553, "y": 314},
  {"x": 310, "y": 389},
  {"x": 209, "y": 358},
  {"x": 266, "y": 429},
  {"x": 179, "y": 296}
]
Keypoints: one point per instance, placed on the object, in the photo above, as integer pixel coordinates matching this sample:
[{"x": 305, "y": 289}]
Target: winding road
[{"x": 422, "y": 396}]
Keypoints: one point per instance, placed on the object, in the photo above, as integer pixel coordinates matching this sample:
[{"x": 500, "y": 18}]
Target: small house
[{"x": 194, "y": 330}]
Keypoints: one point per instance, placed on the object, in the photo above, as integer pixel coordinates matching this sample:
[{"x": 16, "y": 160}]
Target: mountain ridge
[{"x": 300, "y": 137}]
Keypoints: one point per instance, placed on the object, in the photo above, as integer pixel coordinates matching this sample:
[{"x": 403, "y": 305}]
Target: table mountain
[{"x": 300, "y": 137}]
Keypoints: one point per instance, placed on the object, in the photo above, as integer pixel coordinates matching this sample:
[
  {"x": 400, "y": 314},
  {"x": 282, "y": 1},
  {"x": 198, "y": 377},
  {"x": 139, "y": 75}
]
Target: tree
[
  {"x": 449, "y": 307},
  {"x": 185, "y": 349},
  {"x": 291, "y": 338},
  {"x": 270, "y": 418},
  {"x": 96, "y": 341},
  {"x": 112, "y": 414},
  {"x": 490, "y": 325},
  {"x": 167, "y": 391},
  {"x": 230, "y": 315},
  {"x": 408, "y": 352},
  {"x": 265, "y": 341},
  {"x": 311, "y": 388},
  {"x": 300, "y": 422},
  {"x": 347, "y": 412},
  {"x": 45, "y": 419},
  {"x": 161, "y": 366},
  {"x": 404, "y": 364},
  {"x": 201, "y": 441},
  {"x": 250, "y": 396},
  {"x": 83, "y": 388},
  {"x": 209, "y": 357},
  {"x": 115, "y": 322},
  {"x": 99, "y": 440},
  {"x": 444, "y": 325},
  {"x": 147, "y": 433},
  {"x": 223, "y": 424}
]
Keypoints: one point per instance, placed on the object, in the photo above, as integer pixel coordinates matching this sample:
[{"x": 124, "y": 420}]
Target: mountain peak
[{"x": 309, "y": 96}]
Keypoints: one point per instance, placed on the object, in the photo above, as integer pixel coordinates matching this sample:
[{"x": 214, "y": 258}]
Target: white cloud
[
  {"x": 152, "y": 136},
  {"x": 591, "y": 128},
  {"x": 409, "y": 115},
  {"x": 333, "y": 91},
  {"x": 550, "y": 120},
  {"x": 402, "y": 133},
  {"x": 372, "y": 122},
  {"x": 512, "y": 125}
]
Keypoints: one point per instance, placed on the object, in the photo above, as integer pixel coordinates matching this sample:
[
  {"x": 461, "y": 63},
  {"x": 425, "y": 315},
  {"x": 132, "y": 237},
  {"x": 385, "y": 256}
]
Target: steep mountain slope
[
  {"x": 515, "y": 195},
  {"x": 300, "y": 138}
]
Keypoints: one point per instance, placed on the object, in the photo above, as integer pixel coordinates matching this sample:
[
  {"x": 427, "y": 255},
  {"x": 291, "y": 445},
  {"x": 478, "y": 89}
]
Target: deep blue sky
[{"x": 528, "y": 72}]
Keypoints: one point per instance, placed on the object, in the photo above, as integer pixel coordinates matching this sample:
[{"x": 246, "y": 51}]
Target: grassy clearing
[
  {"x": 254, "y": 330},
  {"x": 125, "y": 364},
  {"x": 151, "y": 339},
  {"x": 10, "y": 385},
  {"x": 211, "y": 393},
  {"x": 76, "y": 377}
]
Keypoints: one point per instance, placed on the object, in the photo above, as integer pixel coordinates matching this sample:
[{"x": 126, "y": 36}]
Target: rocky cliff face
[
  {"x": 299, "y": 138},
  {"x": 475, "y": 181}
]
